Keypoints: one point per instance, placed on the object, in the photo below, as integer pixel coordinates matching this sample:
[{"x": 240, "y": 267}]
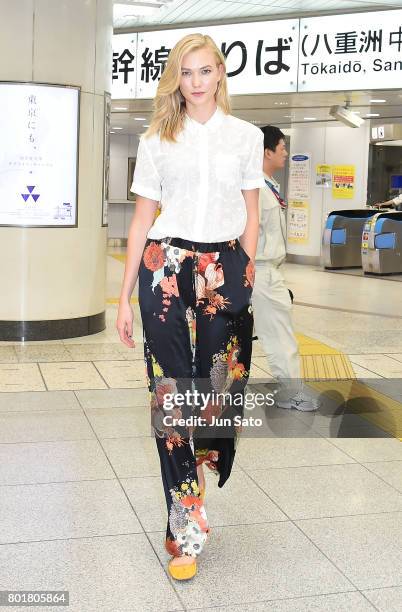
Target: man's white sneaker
[{"x": 301, "y": 402}]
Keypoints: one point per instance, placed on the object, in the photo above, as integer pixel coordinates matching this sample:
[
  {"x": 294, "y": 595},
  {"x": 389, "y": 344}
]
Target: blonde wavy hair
[{"x": 169, "y": 103}]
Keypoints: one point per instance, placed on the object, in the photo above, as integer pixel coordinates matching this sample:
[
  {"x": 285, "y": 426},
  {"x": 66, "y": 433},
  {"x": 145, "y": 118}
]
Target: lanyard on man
[
  {"x": 274, "y": 190},
  {"x": 282, "y": 205}
]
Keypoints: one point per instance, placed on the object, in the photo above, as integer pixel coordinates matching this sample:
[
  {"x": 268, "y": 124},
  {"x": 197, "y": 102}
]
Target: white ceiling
[
  {"x": 283, "y": 110},
  {"x": 175, "y": 12}
]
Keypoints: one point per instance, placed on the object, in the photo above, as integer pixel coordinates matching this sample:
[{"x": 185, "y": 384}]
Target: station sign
[
  {"x": 354, "y": 51},
  {"x": 260, "y": 57},
  {"x": 124, "y": 70},
  {"x": 331, "y": 53},
  {"x": 389, "y": 131}
]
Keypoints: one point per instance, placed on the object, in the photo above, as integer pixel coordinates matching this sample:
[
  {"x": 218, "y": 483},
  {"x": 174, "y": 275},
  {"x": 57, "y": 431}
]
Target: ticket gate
[
  {"x": 342, "y": 237},
  {"x": 382, "y": 244}
]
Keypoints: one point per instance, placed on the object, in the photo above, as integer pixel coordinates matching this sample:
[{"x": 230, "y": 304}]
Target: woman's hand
[{"x": 124, "y": 323}]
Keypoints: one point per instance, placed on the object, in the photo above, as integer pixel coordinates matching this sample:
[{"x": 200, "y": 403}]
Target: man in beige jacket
[{"x": 271, "y": 300}]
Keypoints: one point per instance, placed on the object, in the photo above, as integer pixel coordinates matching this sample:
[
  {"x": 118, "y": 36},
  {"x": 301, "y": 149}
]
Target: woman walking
[{"x": 195, "y": 266}]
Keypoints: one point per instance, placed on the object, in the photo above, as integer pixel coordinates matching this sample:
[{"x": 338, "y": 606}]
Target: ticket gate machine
[
  {"x": 342, "y": 237},
  {"x": 382, "y": 244}
]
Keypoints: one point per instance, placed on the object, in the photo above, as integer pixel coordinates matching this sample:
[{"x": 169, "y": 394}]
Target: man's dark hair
[{"x": 272, "y": 137}]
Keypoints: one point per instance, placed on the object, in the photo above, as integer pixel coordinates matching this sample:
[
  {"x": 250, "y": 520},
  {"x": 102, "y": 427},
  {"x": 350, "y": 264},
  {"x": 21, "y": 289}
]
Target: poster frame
[
  {"x": 77, "y": 155},
  {"x": 107, "y": 113}
]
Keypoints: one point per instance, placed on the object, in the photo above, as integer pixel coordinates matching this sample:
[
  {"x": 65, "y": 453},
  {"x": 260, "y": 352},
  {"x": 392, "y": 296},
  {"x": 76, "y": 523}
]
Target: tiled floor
[{"x": 310, "y": 520}]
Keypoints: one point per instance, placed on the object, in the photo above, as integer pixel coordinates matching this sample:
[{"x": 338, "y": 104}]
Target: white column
[{"x": 58, "y": 275}]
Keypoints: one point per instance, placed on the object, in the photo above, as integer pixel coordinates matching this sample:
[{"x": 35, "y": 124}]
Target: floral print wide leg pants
[{"x": 195, "y": 302}]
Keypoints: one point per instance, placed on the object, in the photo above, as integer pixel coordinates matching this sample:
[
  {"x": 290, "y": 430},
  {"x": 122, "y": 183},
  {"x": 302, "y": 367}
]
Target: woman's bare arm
[
  {"x": 249, "y": 238},
  {"x": 141, "y": 222}
]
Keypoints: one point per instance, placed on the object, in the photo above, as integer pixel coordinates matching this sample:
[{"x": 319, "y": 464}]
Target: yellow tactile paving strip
[
  {"x": 115, "y": 300},
  {"x": 321, "y": 361},
  {"x": 379, "y": 409},
  {"x": 318, "y": 360},
  {"x": 119, "y": 257},
  {"x": 122, "y": 258}
]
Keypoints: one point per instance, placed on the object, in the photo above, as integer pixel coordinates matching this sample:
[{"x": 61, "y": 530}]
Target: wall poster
[
  {"x": 39, "y": 126},
  {"x": 323, "y": 176},
  {"x": 298, "y": 221},
  {"x": 343, "y": 182},
  {"x": 299, "y": 177}
]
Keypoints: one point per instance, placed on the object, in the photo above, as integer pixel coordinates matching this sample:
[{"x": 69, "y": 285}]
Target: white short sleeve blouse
[{"x": 199, "y": 179}]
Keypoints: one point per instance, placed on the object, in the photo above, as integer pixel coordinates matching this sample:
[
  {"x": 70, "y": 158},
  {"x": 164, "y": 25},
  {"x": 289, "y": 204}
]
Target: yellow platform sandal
[{"x": 182, "y": 572}]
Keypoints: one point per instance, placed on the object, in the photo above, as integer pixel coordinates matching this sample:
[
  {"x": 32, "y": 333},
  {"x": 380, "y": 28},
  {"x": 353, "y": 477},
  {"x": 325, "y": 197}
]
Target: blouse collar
[{"x": 213, "y": 122}]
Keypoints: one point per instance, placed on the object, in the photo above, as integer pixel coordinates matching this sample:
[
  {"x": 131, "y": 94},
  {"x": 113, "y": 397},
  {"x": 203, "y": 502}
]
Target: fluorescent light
[
  {"x": 309, "y": 118},
  {"x": 112, "y": 132},
  {"x": 372, "y": 114},
  {"x": 287, "y": 116},
  {"x": 120, "y": 108},
  {"x": 117, "y": 128},
  {"x": 378, "y": 101},
  {"x": 139, "y": 118},
  {"x": 146, "y": 125}
]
